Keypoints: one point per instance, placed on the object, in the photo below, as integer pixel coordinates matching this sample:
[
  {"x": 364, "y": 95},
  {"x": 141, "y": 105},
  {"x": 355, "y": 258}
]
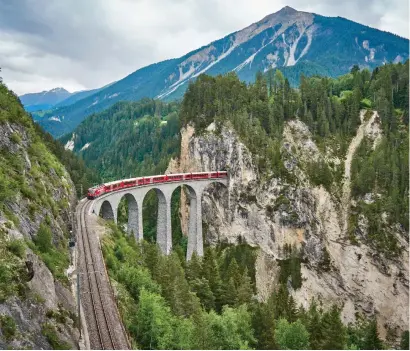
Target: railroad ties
[{"x": 104, "y": 326}]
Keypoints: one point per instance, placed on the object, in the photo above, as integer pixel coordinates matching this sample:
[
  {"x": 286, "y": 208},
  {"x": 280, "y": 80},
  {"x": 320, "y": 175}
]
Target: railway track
[{"x": 103, "y": 323}]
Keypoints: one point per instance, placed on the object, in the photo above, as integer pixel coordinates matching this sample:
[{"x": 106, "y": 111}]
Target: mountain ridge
[{"x": 298, "y": 42}]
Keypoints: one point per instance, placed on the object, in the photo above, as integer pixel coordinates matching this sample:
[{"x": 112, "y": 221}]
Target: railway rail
[{"x": 103, "y": 323}]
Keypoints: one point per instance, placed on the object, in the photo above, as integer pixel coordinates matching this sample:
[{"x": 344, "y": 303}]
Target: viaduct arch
[{"x": 107, "y": 206}]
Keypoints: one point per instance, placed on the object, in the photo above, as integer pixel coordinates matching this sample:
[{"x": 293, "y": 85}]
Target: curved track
[{"x": 103, "y": 323}]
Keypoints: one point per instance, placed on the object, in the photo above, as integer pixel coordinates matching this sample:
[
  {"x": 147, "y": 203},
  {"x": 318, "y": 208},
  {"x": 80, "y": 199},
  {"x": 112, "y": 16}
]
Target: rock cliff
[
  {"x": 269, "y": 212},
  {"x": 37, "y": 197}
]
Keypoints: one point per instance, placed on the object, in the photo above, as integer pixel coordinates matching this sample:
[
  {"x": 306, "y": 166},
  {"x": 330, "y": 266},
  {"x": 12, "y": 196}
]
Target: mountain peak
[
  {"x": 58, "y": 89},
  {"x": 287, "y": 10}
]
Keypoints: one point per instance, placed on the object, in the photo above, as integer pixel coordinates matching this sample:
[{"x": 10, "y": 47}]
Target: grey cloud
[{"x": 82, "y": 44}]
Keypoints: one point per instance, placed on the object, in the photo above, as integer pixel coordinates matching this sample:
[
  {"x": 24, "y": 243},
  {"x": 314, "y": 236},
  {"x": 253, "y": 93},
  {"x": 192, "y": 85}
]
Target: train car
[
  {"x": 160, "y": 179},
  {"x": 95, "y": 191},
  {"x": 99, "y": 190},
  {"x": 202, "y": 175},
  {"x": 175, "y": 177}
]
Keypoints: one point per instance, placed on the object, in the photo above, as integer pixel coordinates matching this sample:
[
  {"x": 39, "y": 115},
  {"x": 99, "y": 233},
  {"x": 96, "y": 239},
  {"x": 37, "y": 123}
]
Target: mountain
[
  {"x": 79, "y": 95},
  {"x": 297, "y": 42},
  {"x": 43, "y": 100},
  {"x": 37, "y": 199}
]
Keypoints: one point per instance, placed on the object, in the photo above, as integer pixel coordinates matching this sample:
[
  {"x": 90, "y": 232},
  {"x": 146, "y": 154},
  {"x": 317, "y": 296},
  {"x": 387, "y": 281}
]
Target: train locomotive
[{"x": 102, "y": 189}]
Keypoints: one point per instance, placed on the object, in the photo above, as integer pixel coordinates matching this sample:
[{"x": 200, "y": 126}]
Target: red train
[{"x": 99, "y": 190}]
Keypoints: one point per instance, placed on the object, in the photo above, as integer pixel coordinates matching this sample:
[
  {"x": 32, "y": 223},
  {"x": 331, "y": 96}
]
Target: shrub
[
  {"x": 16, "y": 138},
  {"x": 8, "y": 327},
  {"x": 17, "y": 247},
  {"x": 50, "y": 333}
]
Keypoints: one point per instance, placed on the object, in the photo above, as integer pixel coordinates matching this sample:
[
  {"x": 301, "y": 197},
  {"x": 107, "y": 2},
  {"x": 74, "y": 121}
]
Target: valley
[{"x": 250, "y": 194}]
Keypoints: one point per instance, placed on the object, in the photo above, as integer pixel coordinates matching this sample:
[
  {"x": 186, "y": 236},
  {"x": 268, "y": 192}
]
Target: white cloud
[{"x": 81, "y": 44}]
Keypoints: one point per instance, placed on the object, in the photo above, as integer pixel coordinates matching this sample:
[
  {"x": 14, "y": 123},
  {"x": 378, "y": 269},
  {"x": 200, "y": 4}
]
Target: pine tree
[
  {"x": 200, "y": 286},
  {"x": 404, "y": 342},
  {"x": 263, "y": 323},
  {"x": 314, "y": 327},
  {"x": 334, "y": 333},
  {"x": 193, "y": 268},
  {"x": 210, "y": 271},
  {"x": 371, "y": 338},
  {"x": 291, "y": 310},
  {"x": 229, "y": 293},
  {"x": 279, "y": 302},
  {"x": 244, "y": 290},
  {"x": 233, "y": 272}
]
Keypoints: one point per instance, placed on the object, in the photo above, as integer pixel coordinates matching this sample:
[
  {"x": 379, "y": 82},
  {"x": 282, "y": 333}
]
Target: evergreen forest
[{"x": 210, "y": 302}]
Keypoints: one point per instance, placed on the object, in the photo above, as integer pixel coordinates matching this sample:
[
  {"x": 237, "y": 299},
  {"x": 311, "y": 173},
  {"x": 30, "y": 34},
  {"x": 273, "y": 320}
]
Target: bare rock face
[{"x": 269, "y": 212}]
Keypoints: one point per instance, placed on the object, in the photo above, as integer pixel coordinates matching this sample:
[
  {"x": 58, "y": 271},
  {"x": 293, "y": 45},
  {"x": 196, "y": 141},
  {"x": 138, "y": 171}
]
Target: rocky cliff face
[
  {"x": 269, "y": 212},
  {"x": 37, "y": 308}
]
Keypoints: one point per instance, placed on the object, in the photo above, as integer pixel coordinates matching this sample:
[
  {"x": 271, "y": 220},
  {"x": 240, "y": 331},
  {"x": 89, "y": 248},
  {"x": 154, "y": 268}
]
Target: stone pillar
[
  {"x": 140, "y": 232},
  {"x": 195, "y": 240},
  {"x": 164, "y": 236},
  {"x": 108, "y": 212},
  {"x": 133, "y": 216}
]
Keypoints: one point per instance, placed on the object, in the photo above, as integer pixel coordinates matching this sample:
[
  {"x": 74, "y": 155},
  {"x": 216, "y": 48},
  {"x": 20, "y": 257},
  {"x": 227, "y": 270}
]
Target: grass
[
  {"x": 49, "y": 331},
  {"x": 12, "y": 268},
  {"x": 17, "y": 247},
  {"x": 8, "y": 327},
  {"x": 55, "y": 258}
]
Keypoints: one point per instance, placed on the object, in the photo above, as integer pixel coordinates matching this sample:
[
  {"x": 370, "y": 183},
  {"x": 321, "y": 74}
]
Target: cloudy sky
[{"x": 84, "y": 44}]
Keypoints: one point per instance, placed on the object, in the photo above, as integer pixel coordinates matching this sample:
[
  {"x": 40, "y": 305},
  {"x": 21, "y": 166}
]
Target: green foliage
[
  {"x": 404, "y": 342},
  {"x": 231, "y": 330},
  {"x": 82, "y": 176},
  {"x": 364, "y": 335},
  {"x": 320, "y": 174},
  {"x": 13, "y": 276},
  {"x": 256, "y": 112},
  {"x": 129, "y": 138},
  {"x": 16, "y": 138},
  {"x": 8, "y": 327},
  {"x": 54, "y": 256},
  {"x": 371, "y": 339},
  {"x": 291, "y": 336},
  {"x": 207, "y": 303},
  {"x": 334, "y": 332},
  {"x": 290, "y": 267},
  {"x": 49, "y": 331},
  {"x": 17, "y": 247}
]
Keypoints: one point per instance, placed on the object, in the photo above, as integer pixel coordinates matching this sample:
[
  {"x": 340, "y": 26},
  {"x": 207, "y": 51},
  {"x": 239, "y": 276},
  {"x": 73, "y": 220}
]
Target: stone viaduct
[{"x": 107, "y": 205}]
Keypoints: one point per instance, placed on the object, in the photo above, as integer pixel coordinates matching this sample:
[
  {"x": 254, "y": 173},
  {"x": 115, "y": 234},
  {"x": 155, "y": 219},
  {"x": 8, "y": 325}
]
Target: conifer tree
[
  {"x": 244, "y": 290},
  {"x": 212, "y": 275},
  {"x": 404, "y": 342},
  {"x": 314, "y": 327},
  {"x": 334, "y": 333},
  {"x": 371, "y": 338},
  {"x": 193, "y": 268},
  {"x": 263, "y": 324},
  {"x": 200, "y": 286}
]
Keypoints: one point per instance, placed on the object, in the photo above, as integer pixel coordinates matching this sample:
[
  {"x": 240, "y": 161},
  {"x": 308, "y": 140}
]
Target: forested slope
[
  {"x": 37, "y": 197},
  {"x": 298, "y": 140},
  {"x": 128, "y": 139}
]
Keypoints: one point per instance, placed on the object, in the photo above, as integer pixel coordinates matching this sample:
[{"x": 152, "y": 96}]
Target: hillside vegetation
[
  {"x": 208, "y": 303},
  {"x": 36, "y": 200},
  {"x": 129, "y": 139},
  {"x": 330, "y": 108},
  {"x": 211, "y": 299}
]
